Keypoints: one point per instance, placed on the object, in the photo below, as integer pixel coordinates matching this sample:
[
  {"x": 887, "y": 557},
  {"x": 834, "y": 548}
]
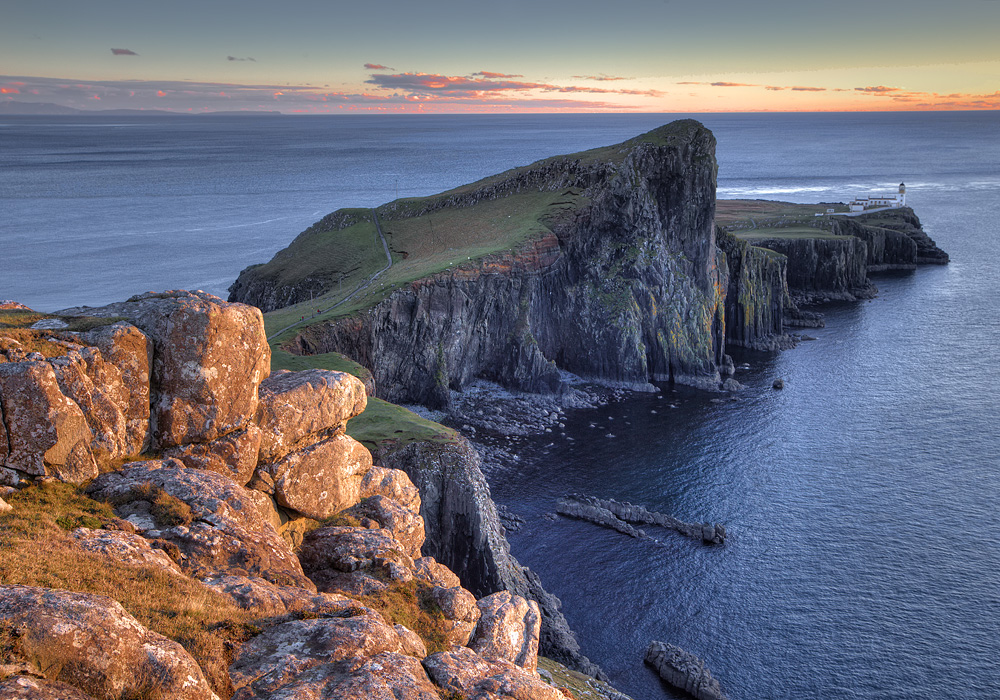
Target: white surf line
[{"x": 361, "y": 287}]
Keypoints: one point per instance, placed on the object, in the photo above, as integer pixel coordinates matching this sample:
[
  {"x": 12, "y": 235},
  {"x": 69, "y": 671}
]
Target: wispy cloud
[
  {"x": 123, "y": 52},
  {"x": 877, "y": 89},
  {"x": 796, "y": 88},
  {"x": 477, "y": 84},
  {"x": 377, "y": 66},
  {"x": 235, "y": 58},
  {"x": 490, "y": 74},
  {"x": 718, "y": 84},
  {"x": 600, "y": 78}
]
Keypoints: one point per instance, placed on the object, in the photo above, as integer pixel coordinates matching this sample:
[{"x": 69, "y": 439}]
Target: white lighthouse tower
[{"x": 902, "y": 195}]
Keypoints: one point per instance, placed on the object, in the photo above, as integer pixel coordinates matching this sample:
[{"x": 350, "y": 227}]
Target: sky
[{"x": 329, "y": 56}]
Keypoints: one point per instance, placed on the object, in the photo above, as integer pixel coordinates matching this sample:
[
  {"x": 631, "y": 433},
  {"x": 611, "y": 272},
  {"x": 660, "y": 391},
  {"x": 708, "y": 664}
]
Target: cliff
[
  {"x": 178, "y": 522},
  {"x": 608, "y": 268},
  {"x": 831, "y": 257}
]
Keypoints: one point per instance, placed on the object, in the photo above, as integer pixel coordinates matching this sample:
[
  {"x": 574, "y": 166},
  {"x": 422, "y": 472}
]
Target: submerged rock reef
[{"x": 221, "y": 492}]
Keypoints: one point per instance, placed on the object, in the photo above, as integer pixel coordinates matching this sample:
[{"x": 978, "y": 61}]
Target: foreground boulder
[
  {"x": 31, "y": 688},
  {"x": 90, "y": 642},
  {"x": 273, "y": 658},
  {"x": 47, "y": 433},
  {"x": 466, "y": 674},
  {"x": 508, "y": 629},
  {"x": 298, "y": 407},
  {"x": 217, "y": 528},
  {"x": 209, "y": 359}
]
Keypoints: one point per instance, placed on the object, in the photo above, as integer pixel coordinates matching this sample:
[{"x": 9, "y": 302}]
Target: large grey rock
[
  {"x": 385, "y": 676},
  {"x": 234, "y": 455},
  {"x": 354, "y": 560},
  {"x": 683, "y": 670},
  {"x": 473, "y": 677},
  {"x": 277, "y": 656},
  {"x": 508, "y": 629},
  {"x": 90, "y": 642},
  {"x": 47, "y": 433},
  {"x": 120, "y": 547},
  {"x": 296, "y": 407},
  {"x": 320, "y": 480},
  {"x": 406, "y": 526},
  {"x": 209, "y": 358}
]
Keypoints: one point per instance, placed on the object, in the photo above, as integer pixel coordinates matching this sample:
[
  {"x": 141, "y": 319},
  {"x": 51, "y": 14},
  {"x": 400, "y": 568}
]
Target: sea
[{"x": 862, "y": 501}]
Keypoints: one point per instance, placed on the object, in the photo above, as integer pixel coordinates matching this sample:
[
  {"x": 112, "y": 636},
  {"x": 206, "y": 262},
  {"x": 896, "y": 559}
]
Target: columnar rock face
[
  {"x": 628, "y": 287},
  {"x": 757, "y": 297},
  {"x": 824, "y": 267},
  {"x": 90, "y": 642}
]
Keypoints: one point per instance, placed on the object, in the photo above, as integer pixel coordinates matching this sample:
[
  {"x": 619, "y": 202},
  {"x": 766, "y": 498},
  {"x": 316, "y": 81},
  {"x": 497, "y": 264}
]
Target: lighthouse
[{"x": 902, "y": 194}]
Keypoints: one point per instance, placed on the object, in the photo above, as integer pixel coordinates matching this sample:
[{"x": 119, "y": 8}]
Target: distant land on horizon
[{"x": 45, "y": 109}]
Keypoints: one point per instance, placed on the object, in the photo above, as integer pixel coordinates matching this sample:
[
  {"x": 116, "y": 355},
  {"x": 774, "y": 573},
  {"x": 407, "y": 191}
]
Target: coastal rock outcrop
[
  {"x": 617, "y": 516},
  {"x": 683, "y": 670}
]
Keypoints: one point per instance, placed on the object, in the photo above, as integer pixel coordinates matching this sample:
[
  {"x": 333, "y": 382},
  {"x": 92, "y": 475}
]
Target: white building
[{"x": 879, "y": 201}]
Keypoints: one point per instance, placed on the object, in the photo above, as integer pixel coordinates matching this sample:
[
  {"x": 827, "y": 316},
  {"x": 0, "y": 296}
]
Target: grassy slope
[
  {"x": 383, "y": 423},
  {"x": 420, "y": 246},
  {"x": 731, "y": 213},
  {"x": 790, "y": 232}
]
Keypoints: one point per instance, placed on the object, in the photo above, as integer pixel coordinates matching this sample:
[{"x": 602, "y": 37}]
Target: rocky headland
[{"x": 180, "y": 522}]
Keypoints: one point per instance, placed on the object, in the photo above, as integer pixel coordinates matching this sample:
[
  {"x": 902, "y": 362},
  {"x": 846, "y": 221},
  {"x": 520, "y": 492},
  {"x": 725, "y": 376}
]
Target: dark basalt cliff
[{"x": 628, "y": 286}]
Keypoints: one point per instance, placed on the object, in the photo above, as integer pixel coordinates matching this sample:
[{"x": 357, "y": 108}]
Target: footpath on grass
[{"x": 357, "y": 290}]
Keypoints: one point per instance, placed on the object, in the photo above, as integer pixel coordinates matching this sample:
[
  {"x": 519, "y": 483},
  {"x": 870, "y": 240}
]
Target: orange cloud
[
  {"x": 377, "y": 66},
  {"x": 160, "y": 93},
  {"x": 9, "y": 91}
]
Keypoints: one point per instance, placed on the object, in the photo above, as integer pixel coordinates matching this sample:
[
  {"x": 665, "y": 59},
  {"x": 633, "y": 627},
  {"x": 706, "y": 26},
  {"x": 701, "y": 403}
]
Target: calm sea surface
[{"x": 862, "y": 501}]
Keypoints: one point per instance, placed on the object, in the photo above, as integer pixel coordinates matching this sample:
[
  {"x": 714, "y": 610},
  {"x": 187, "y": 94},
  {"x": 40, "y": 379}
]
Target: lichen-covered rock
[
  {"x": 260, "y": 595},
  {"x": 209, "y": 358},
  {"x": 90, "y": 642},
  {"x": 460, "y": 610},
  {"x": 47, "y": 433},
  {"x": 296, "y": 407},
  {"x": 406, "y": 526},
  {"x": 124, "y": 548},
  {"x": 131, "y": 352},
  {"x": 321, "y": 479},
  {"x": 473, "y": 677},
  {"x": 276, "y": 656},
  {"x": 410, "y": 642},
  {"x": 508, "y": 629},
  {"x": 31, "y": 688},
  {"x": 353, "y": 560},
  {"x": 227, "y": 533},
  {"x": 234, "y": 455},
  {"x": 386, "y": 676},
  {"x": 392, "y": 483},
  {"x": 430, "y": 571}
]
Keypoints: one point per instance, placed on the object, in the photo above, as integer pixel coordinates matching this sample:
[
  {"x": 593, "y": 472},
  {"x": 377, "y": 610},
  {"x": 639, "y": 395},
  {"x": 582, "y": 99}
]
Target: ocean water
[{"x": 861, "y": 501}]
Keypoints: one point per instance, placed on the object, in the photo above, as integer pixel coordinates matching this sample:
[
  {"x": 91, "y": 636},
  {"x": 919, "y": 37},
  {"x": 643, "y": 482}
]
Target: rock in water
[{"x": 683, "y": 670}]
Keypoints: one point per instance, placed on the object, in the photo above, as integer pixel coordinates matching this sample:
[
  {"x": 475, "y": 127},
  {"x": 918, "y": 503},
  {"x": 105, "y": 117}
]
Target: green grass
[
  {"x": 786, "y": 233},
  {"x": 736, "y": 214},
  {"x": 385, "y": 423},
  {"x": 421, "y": 246},
  {"x": 282, "y": 359}
]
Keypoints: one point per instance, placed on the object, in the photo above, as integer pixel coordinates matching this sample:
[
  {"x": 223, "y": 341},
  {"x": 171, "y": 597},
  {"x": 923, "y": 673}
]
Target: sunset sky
[{"x": 515, "y": 56}]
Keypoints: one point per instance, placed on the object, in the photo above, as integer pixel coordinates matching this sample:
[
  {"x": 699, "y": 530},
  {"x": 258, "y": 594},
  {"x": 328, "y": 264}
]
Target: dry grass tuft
[
  {"x": 209, "y": 625},
  {"x": 167, "y": 510},
  {"x": 410, "y": 604}
]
